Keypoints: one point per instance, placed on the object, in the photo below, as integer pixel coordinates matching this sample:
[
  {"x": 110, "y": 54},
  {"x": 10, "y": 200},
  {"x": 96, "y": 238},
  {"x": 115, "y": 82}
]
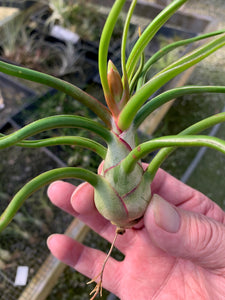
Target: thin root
[{"x": 98, "y": 288}]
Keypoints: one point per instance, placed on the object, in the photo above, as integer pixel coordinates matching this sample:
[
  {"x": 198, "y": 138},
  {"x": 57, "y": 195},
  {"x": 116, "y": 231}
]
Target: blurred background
[{"x": 61, "y": 38}]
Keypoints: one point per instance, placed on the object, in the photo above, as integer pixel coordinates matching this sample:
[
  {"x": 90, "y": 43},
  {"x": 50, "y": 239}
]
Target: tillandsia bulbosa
[{"x": 122, "y": 189}]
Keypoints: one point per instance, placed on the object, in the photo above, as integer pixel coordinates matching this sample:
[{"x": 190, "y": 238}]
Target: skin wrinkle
[
  {"x": 209, "y": 237},
  {"x": 203, "y": 238},
  {"x": 182, "y": 278},
  {"x": 184, "y": 204},
  {"x": 215, "y": 240},
  {"x": 186, "y": 279},
  {"x": 165, "y": 282},
  {"x": 203, "y": 241},
  {"x": 219, "y": 289},
  {"x": 198, "y": 288},
  {"x": 191, "y": 240},
  {"x": 194, "y": 238}
]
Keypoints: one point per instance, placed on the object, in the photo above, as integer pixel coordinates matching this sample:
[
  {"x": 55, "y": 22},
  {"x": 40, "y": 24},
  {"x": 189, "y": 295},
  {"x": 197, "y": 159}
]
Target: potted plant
[
  {"x": 122, "y": 189},
  {"x": 24, "y": 45},
  {"x": 78, "y": 17}
]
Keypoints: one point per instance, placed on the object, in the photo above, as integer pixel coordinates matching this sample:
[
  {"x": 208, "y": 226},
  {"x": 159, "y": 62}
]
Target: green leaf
[
  {"x": 65, "y": 140},
  {"x": 193, "y": 129},
  {"x": 175, "y": 141},
  {"x": 60, "y": 121},
  {"x": 165, "y": 97},
  {"x": 168, "y": 48},
  {"x": 137, "y": 74},
  {"x": 142, "y": 95},
  {"x": 104, "y": 45},
  {"x": 149, "y": 33},
  {"x": 45, "y": 178},
  {"x": 96, "y": 106},
  {"x": 124, "y": 41}
]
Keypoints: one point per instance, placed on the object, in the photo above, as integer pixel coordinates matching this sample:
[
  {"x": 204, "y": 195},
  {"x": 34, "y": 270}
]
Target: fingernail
[
  {"x": 166, "y": 216},
  {"x": 49, "y": 240}
]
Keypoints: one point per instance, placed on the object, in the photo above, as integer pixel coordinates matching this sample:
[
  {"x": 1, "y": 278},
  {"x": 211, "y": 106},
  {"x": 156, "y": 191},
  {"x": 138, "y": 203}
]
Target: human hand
[{"x": 177, "y": 252}]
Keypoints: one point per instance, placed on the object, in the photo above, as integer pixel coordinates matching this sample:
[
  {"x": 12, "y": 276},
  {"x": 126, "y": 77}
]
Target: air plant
[
  {"x": 122, "y": 189},
  {"x": 24, "y": 47}
]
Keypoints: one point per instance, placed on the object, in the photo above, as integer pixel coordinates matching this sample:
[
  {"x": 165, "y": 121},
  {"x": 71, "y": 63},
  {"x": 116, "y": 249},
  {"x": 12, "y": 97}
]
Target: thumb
[{"x": 186, "y": 234}]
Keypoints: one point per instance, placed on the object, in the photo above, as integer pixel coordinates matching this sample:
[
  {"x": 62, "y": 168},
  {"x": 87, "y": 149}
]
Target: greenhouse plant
[{"x": 122, "y": 189}]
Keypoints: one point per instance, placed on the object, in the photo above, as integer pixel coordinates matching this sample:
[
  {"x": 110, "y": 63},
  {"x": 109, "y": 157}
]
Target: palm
[
  {"x": 157, "y": 275},
  {"x": 147, "y": 272}
]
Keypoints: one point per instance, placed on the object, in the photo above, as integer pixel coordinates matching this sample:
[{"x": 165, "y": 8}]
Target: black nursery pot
[{"x": 17, "y": 4}]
